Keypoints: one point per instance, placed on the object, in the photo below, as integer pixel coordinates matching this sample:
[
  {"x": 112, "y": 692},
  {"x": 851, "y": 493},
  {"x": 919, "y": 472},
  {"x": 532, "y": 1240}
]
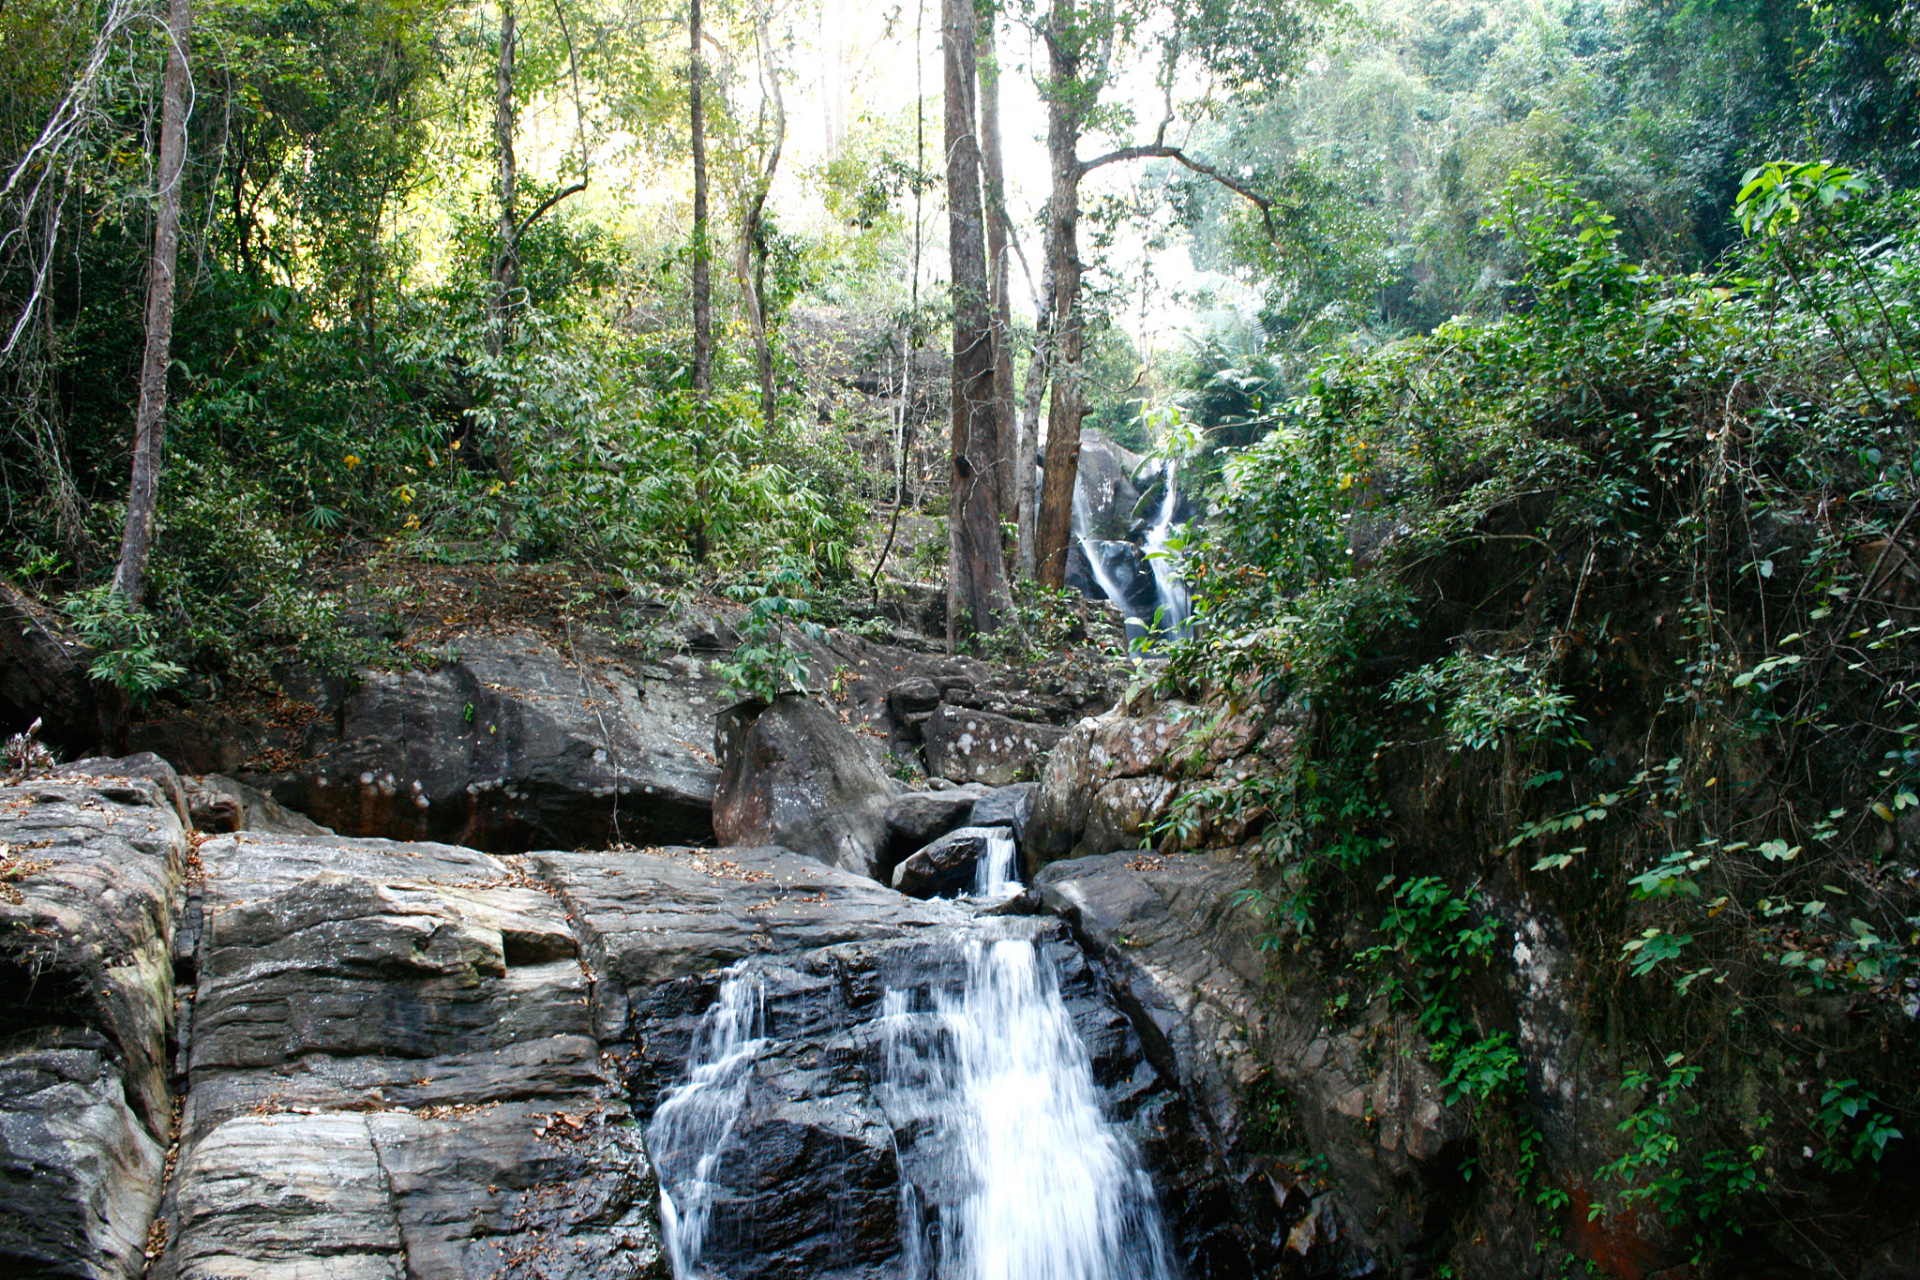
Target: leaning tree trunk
[
  {"x": 977, "y": 599},
  {"x": 150, "y": 417},
  {"x": 1065, "y": 113},
  {"x": 702, "y": 282}
]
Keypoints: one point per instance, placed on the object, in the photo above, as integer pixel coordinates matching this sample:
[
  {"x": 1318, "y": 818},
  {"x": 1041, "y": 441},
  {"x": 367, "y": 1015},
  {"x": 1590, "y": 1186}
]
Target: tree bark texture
[
  {"x": 977, "y": 599},
  {"x": 702, "y": 278},
  {"x": 150, "y": 417},
  {"x": 1008, "y": 474},
  {"x": 1067, "y": 101}
]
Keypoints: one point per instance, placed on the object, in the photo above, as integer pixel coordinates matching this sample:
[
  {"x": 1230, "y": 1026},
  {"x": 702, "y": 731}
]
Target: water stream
[
  {"x": 1170, "y": 590},
  {"x": 1040, "y": 1185},
  {"x": 1009, "y": 1168},
  {"x": 693, "y": 1125}
]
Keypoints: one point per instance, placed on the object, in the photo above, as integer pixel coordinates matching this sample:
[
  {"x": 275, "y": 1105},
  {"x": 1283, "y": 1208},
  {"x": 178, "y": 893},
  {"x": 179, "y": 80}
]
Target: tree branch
[
  {"x": 547, "y": 204},
  {"x": 1159, "y": 151}
]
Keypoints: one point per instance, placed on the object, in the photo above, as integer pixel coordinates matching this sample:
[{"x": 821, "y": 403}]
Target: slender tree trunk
[
  {"x": 150, "y": 418},
  {"x": 1029, "y": 436},
  {"x": 977, "y": 599},
  {"x": 702, "y": 280},
  {"x": 506, "y": 259},
  {"x": 1066, "y": 112},
  {"x": 756, "y": 224},
  {"x": 1007, "y": 472}
]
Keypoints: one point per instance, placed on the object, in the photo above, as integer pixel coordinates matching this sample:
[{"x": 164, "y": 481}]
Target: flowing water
[
  {"x": 1173, "y": 608},
  {"x": 693, "y": 1125},
  {"x": 1049, "y": 1188},
  {"x": 1170, "y": 590},
  {"x": 994, "y": 874},
  {"x": 1009, "y": 1167}
]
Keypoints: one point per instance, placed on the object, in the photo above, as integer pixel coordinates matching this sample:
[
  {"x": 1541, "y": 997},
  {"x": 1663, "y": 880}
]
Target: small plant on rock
[{"x": 768, "y": 663}]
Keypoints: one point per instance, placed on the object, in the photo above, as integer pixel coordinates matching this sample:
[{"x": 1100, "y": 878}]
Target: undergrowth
[{"x": 1607, "y": 611}]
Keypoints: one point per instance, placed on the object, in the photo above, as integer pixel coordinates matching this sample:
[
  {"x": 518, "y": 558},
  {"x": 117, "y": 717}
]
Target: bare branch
[{"x": 1158, "y": 151}]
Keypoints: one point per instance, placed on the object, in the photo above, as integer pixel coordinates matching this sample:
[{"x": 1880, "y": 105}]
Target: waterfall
[
  {"x": 1042, "y": 1186},
  {"x": 1170, "y": 591},
  {"x": 1097, "y": 565},
  {"x": 1008, "y": 1166},
  {"x": 692, "y": 1126},
  {"x": 994, "y": 874}
]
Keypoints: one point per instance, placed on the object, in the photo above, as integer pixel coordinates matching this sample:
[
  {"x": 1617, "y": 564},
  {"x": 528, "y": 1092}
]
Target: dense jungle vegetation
[{"x": 1547, "y": 400}]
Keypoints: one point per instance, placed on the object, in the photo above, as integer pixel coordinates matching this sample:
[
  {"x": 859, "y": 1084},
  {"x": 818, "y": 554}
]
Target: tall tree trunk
[
  {"x": 1029, "y": 436},
  {"x": 505, "y": 276},
  {"x": 755, "y": 228},
  {"x": 1066, "y": 112},
  {"x": 1008, "y": 474},
  {"x": 150, "y": 417},
  {"x": 977, "y": 599},
  {"x": 702, "y": 280}
]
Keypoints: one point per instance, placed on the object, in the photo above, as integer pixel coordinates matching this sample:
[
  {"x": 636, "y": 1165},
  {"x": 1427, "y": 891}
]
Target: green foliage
[
  {"x": 1696, "y": 1190},
  {"x": 127, "y": 648},
  {"x": 1445, "y": 945},
  {"x": 767, "y": 663},
  {"x": 1856, "y": 1128}
]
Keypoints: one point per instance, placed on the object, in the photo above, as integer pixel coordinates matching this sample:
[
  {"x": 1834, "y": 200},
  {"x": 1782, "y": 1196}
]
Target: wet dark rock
[
  {"x": 979, "y": 746},
  {"x": 510, "y": 745},
  {"x": 946, "y": 866},
  {"x": 1185, "y": 960},
  {"x": 93, "y": 870},
  {"x": 918, "y": 817},
  {"x": 792, "y": 774}
]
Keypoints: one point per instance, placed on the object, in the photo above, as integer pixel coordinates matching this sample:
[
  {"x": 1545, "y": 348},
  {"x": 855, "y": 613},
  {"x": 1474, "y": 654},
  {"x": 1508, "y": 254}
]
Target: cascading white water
[
  {"x": 993, "y": 874},
  {"x": 1052, "y": 1190},
  {"x": 1170, "y": 591},
  {"x": 693, "y": 1123},
  {"x": 1097, "y": 563}
]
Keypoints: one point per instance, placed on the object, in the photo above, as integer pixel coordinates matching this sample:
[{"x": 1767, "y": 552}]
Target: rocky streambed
[
  {"x": 257, "y": 1054},
  {"x": 240, "y": 1044}
]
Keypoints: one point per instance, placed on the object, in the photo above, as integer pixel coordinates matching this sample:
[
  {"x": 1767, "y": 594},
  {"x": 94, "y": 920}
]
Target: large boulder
[
  {"x": 1105, "y": 491},
  {"x": 392, "y": 1068},
  {"x": 792, "y": 774},
  {"x": 1112, "y": 777},
  {"x": 218, "y": 805},
  {"x": 917, "y": 817},
  {"x": 510, "y": 745},
  {"x": 90, "y": 869},
  {"x": 978, "y": 746},
  {"x": 1264, "y": 1060}
]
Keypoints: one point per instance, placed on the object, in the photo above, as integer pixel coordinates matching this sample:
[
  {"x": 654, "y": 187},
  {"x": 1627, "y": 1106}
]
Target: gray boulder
[
  {"x": 219, "y": 805},
  {"x": 793, "y": 775},
  {"x": 979, "y": 746},
  {"x": 512, "y": 746},
  {"x": 1009, "y": 806},
  {"x": 393, "y": 1067},
  {"x": 1183, "y": 952}
]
